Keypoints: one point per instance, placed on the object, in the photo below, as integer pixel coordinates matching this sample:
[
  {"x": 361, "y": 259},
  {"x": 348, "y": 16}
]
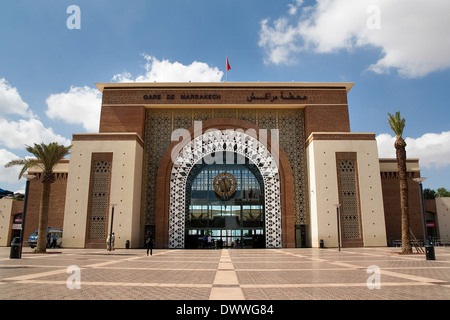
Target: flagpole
[{"x": 226, "y": 69}]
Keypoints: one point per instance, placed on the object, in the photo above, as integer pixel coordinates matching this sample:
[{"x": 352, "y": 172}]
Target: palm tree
[
  {"x": 397, "y": 124},
  {"x": 47, "y": 156}
]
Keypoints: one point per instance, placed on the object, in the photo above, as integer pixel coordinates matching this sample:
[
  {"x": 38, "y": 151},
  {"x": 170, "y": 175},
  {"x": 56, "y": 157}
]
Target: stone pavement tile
[
  {"x": 30, "y": 291},
  {"x": 437, "y": 273},
  {"x": 422, "y": 292},
  {"x": 143, "y": 276},
  {"x": 14, "y": 271},
  {"x": 226, "y": 274},
  {"x": 308, "y": 277},
  {"x": 275, "y": 265}
]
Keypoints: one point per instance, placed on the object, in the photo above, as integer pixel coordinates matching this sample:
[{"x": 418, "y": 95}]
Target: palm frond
[
  {"x": 397, "y": 123},
  {"x": 47, "y": 157},
  {"x": 25, "y": 163}
]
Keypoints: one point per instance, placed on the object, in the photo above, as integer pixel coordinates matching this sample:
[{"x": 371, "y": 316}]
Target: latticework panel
[
  {"x": 161, "y": 122},
  {"x": 158, "y": 130},
  {"x": 349, "y": 200},
  {"x": 224, "y": 141},
  {"x": 98, "y": 216},
  {"x": 291, "y": 125}
]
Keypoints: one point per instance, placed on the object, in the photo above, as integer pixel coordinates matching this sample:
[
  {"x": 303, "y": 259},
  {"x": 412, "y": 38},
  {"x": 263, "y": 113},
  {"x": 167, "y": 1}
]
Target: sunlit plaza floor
[{"x": 237, "y": 274}]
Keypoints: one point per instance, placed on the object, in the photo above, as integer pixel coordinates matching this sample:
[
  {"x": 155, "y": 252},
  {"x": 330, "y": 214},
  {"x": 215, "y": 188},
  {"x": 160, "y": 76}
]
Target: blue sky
[{"x": 396, "y": 52}]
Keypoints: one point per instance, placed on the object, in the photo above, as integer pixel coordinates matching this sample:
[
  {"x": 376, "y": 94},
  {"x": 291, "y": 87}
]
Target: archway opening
[
  {"x": 207, "y": 146},
  {"x": 225, "y": 205}
]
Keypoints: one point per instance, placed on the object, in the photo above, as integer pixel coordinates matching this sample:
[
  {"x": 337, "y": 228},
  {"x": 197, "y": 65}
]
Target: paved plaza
[{"x": 237, "y": 274}]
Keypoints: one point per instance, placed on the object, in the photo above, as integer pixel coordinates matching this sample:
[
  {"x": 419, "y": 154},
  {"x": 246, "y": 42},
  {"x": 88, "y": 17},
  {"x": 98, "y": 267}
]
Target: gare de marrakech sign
[
  {"x": 263, "y": 97},
  {"x": 134, "y": 94}
]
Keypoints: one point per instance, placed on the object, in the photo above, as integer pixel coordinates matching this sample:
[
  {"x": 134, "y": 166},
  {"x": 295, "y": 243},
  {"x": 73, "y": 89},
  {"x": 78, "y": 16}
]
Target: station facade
[
  {"x": 248, "y": 164},
  {"x": 254, "y": 165}
]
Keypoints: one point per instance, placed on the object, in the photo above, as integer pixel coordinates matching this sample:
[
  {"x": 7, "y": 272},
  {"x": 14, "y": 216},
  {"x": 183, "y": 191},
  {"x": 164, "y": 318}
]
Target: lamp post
[
  {"x": 422, "y": 208},
  {"x": 111, "y": 227},
  {"x": 429, "y": 249},
  {"x": 29, "y": 177},
  {"x": 338, "y": 226}
]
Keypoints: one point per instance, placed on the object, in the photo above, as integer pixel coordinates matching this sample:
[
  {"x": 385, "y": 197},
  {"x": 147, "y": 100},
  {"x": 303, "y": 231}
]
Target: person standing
[
  {"x": 107, "y": 242},
  {"x": 149, "y": 242},
  {"x": 209, "y": 241},
  {"x": 54, "y": 238}
]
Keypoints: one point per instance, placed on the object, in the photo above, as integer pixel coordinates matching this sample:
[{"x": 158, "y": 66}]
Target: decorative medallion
[{"x": 225, "y": 185}]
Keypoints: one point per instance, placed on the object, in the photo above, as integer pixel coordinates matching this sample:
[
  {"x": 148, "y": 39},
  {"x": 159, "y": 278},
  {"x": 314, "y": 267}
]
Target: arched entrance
[
  {"x": 210, "y": 147},
  {"x": 225, "y": 204},
  {"x": 165, "y": 189}
]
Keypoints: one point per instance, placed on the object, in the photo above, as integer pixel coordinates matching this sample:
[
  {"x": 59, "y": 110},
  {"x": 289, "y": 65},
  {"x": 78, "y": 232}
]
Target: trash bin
[
  {"x": 321, "y": 244},
  {"x": 16, "y": 251},
  {"x": 127, "y": 244},
  {"x": 429, "y": 252}
]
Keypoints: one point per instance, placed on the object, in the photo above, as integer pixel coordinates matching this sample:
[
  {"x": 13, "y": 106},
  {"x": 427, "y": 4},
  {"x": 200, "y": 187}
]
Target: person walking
[
  {"x": 149, "y": 243},
  {"x": 54, "y": 238}
]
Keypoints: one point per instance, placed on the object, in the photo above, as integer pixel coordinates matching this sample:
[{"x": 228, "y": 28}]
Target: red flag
[{"x": 228, "y": 65}]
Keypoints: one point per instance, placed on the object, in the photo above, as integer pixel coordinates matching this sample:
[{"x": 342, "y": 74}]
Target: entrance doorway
[
  {"x": 225, "y": 206},
  {"x": 223, "y": 186},
  {"x": 224, "y": 238}
]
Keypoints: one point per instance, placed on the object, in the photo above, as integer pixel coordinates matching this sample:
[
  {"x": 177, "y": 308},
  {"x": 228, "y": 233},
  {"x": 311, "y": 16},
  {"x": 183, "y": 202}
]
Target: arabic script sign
[{"x": 271, "y": 97}]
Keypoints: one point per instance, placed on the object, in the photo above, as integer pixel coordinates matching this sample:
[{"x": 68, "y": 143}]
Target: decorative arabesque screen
[
  {"x": 160, "y": 123},
  {"x": 224, "y": 141},
  {"x": 98, "y": 211},
  {"x": 349, "y": 200}
]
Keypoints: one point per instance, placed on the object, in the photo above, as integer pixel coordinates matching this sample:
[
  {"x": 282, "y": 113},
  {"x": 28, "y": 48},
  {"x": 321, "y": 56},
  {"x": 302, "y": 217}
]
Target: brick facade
[
  {"x": 57, "y": 204},
  {"x": 391, "y": 199}
]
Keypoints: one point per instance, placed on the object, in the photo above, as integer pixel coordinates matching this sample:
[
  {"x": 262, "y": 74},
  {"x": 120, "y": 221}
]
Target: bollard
[
  {"x": 429, "y": 252},
  {"x": 16, "y": 247}
]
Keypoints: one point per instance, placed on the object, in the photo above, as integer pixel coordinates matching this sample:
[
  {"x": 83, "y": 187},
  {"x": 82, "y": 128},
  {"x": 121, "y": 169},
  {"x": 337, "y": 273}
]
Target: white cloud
[
  {"x": 432, "y": 149},
  {"x": 80, "y": 105},
  {"x": 166, "y": 71},
  {"x": 412, "y": 35},
  {"x": 25, "y": 131},
  {"x": 11, "y": 101},
  {"x": 17, "y": 134},
  {"x": 14, "y": 135},
  {"x": 8, "y": 175},
  {"x": 280, "y": 40},
  {"x": 293, "y": 7}
]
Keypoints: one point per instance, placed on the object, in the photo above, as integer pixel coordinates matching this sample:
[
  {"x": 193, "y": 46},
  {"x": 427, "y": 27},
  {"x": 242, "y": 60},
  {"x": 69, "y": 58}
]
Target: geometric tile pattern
[
  {"x": 98, "y": 213},
  {"x": 219, "y": 141},
  {"x": 160, "y": 123},
  {"x": 349, "y": 199}
]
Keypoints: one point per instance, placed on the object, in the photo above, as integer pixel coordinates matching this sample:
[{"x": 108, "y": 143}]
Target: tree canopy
[{"x": 439, "y": 193}]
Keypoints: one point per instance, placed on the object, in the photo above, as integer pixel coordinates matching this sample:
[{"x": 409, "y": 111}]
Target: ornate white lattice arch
[{"x": 224, "y": 141}]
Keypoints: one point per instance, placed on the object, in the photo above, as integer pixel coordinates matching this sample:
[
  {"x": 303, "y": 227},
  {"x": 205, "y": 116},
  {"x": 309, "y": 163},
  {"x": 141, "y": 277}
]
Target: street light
[
  {"x": 429, "y": 249},
  {"x": 419, "y": 181},
  {"x": 29, "y": 177},
  {"x": 338, "y": 226},
  {"x": 111, "y": 227}
]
